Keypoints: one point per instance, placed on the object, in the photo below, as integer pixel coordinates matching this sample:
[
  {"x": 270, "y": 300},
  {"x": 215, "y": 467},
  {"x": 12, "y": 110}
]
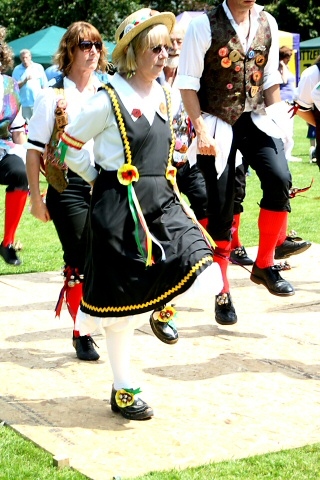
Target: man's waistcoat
[{"x": 230, "y": 75}]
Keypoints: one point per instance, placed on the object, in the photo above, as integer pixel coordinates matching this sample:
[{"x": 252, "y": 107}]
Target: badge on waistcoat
[
  {"x": 223, "y": 52},
  {"x": 253, "y": 91},
  {"x": 234, "y": 56},
  {"x": 256, "y": 76},
  {"x": 226, "y": 62},
  {"x": 260, "y": 60}
]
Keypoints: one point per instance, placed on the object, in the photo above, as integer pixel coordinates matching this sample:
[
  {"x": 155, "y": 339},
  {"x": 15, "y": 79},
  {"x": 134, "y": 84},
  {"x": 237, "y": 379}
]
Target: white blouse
[
  {"x": 42, "y": 121},
  {"x": 97, "y": 121}
]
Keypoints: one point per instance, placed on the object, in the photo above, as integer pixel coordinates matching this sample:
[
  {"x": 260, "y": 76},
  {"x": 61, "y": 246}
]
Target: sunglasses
[
  {"x": 86, "y": 45},
  {"x": 158, "y": 48}
]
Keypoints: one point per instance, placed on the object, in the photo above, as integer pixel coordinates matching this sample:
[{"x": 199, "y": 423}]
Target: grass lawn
[{"x": 20, "y": 459}]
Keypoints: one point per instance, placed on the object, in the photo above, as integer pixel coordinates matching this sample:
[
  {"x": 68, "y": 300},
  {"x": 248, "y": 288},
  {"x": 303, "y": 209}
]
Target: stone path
[{"x": 219, "y": 393}]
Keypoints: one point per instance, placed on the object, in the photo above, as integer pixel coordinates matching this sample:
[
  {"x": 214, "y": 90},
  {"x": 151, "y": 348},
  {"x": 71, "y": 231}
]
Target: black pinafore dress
[{"x": 117, "y": 281}]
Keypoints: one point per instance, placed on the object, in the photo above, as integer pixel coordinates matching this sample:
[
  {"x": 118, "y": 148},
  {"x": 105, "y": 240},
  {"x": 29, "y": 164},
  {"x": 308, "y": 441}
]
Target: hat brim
[{"x": 165, "y": 18}]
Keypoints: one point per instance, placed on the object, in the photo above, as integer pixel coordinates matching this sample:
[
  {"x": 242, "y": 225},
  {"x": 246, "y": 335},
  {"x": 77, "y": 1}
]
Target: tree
[
  {"x": 291, "y": 15},
  {"x": 104, "y": 15},
  {"x": 297, "y": 17}
]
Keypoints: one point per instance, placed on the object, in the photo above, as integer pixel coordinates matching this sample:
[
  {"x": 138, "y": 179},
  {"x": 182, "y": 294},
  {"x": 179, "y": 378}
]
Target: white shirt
[
  {"x": 198, "y": 40},
  {"x": 42, "y": 121},
  {"x": 308, "y": 80},
  {"x": 97, "y": 121},
  {"x": 315, "y": 94}
]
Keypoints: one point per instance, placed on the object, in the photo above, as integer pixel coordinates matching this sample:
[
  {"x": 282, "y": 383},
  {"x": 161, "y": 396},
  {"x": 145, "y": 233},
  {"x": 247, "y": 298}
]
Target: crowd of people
[{"x": 166, "y": 123}]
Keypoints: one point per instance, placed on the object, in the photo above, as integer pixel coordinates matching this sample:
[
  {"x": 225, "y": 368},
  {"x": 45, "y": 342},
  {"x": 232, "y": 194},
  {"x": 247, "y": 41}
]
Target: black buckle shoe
[
  {"x": 165, "y": 331},
  {"x": 137, "y": 409},
  {"x": 84, "y": 348},
  {"x": 239, "y": 256},
  {"x": 272, "y": 280},
  {"x": 291, "y": 246},
  {"x": 9, "y": 255},
  {"x": 225, "y": 313}
]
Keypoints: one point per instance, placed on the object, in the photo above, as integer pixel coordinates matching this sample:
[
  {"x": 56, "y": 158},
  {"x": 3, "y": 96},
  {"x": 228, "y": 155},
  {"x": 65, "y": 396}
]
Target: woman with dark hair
[
  {"x": 81, "y": 52},
  {"x": 12, "y": 154},
  {"x": 143, "y": 250}
]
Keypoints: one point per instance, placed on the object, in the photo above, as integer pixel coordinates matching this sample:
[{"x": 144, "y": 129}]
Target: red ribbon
[{"x": 295, "y": 191}]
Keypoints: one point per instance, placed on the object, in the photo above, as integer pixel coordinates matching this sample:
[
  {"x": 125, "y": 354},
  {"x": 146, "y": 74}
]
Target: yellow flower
[
  {"x": 171, "y": 174},
  {"x": 167, "y": 314},
  {"x": 128, "y": 174},
  {"x": 124, "y": 398}
]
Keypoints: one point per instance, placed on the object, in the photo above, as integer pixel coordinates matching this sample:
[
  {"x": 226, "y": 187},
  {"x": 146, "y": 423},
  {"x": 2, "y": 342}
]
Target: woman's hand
[{"x": 39, "y": 210}]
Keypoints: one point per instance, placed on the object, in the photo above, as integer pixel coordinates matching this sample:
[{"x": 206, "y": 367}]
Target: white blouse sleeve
[
  {"x": 90, "y": 123},
  {"x": 195, "y": 45},
  {"x": 41, "y": 124},
  {"x": 315, "y": 95}
]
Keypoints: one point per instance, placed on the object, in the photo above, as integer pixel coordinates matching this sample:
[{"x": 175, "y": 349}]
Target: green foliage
[
  {"x": 104, "y": 15},
  {"x": 297, "y": 17},
  {"x": 292, "y": 15}
]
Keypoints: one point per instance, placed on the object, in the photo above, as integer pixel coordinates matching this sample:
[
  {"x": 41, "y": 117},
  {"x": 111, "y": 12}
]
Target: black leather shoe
[
  {"x": 291, "y": 246},
  {"x": 9, "y": 255},
  {"x": 139, "y": 410},
  {"x": 239, "y": 256},
  {"x": 225, "y": 313},
  {"x": 165, "y": 331},
  {"x": 84, "y": 348},
  {"x": 272, "y": 280}
]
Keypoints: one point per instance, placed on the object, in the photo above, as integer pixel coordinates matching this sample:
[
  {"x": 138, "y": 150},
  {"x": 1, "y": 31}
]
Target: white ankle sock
[{"x": 119, "y": 351}]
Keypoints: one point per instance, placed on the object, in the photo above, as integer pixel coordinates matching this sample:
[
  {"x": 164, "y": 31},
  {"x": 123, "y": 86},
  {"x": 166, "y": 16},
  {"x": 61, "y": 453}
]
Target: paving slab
[{"x": 220, "y": 393}]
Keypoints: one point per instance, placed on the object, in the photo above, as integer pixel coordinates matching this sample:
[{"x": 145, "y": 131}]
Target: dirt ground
[{"x": 219, "y": 393}]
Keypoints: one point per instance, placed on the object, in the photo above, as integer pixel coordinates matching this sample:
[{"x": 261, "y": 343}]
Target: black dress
[{"x": 117, "y": 281}]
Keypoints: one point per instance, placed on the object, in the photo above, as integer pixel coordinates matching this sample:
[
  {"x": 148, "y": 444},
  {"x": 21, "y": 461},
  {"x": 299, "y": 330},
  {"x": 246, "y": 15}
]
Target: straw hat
[{"x": 136, "y": 23}]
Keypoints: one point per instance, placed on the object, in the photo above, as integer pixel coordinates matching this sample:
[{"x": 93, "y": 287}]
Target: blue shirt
[{"x": 30, "y": 90}]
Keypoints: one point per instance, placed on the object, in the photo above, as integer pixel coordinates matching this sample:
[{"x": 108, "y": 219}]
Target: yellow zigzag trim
[
  {"x": 162, "y": 297},
  {"x": 122, "y": 127}
]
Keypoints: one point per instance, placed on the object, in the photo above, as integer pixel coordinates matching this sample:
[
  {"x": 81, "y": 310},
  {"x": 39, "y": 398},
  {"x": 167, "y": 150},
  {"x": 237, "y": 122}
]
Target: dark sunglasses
[
  {"x": 158, "y": 48},
  {"x": 86, "y": 45}
]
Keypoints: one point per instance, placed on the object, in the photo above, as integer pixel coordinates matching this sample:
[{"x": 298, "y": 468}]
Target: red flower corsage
[
  {"x": 127, "y": 174},
  {"x": 136, "y": 113}
]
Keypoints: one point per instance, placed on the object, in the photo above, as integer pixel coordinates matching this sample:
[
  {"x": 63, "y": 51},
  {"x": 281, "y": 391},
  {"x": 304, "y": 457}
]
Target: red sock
[
  {"x": 221, "y": 256},
  {"x": 14, "y": 205},
  {"x": 283, "y": 232},
  {"x": 235, "y": 242},
  {"x": 270, "y": 224}
]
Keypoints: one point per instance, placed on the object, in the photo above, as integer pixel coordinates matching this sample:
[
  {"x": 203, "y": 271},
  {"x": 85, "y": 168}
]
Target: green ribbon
[
  {"x": 61, "y": 152},
  {"x": 136, "y": 221}
]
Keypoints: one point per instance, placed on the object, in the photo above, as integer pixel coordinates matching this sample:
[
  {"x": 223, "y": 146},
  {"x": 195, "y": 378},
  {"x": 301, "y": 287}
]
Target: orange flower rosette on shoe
[
  {"x": 125, "y": 397},
  {"x": 167, "y": 314}
]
